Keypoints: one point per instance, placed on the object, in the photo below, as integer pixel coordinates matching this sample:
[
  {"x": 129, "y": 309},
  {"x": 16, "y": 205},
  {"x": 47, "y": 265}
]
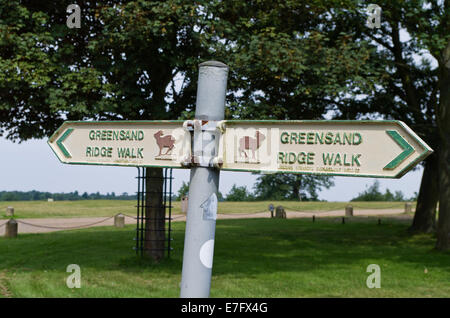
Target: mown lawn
[
  {"x": 100, "y": 208},
  {"x": 253, "y": 258},
  {"x": 56, "y": 209}
]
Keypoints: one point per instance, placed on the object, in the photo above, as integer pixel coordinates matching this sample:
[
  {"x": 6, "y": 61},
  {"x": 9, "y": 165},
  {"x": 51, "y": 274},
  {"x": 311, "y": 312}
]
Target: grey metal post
[{"x": 204, "y": 182}]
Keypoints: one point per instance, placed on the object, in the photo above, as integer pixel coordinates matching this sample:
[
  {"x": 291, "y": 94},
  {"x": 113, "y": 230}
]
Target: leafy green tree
[
  {"x": 373, "y": 193},
  {"x": 123, "y": 63},
  {"x": 284, "y": 64},
  {"x": 183, "y": 191},
  {"x": 129, "y": 60},
  {"x": 288, "y": 59},
  {"x": 239, "y": 193},
  {"x": 307, "y": 60},
  {"x": 398, "y": 196},
  {"x": 8, "y": 196},
  {"x": 413, "y": 91},
  {"x": 285, "y": 67},
  {"x": 290, "y": 186}
]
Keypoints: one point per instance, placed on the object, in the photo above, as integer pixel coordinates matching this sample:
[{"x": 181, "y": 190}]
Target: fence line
[
  {"x": 181, "y": 216},
  {"x": 238, "y": 214},
  {"x": 133, "y": 217},
  {"x": 339, "y": 209},
  {"x": 64, "y": 227}
]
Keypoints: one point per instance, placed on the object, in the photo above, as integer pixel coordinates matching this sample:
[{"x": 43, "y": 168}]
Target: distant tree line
[
  {"x": 278, "y": 187},
  {"x": 71, "y": 196},
  {"x": 298, "y": 187},
  {"x": 373, "y": 193},
  {"x": 281, "y": 187},
  {"x": 237, "y": 193}
]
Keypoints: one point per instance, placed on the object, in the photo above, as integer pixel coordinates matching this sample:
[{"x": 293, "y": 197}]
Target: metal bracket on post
[{"x": 206, "y": 137}]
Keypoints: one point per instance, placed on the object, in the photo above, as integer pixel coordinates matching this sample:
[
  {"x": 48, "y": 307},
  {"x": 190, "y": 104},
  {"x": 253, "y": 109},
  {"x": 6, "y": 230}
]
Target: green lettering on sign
[
  {"x": 284, "y": 137},
  {"x": 327, "y": 158},
  {"x": 355, "y": 158}
]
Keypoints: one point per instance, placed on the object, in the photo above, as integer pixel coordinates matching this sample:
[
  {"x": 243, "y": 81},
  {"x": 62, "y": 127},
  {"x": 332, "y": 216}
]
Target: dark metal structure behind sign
[{"x": 141, "y": 207}]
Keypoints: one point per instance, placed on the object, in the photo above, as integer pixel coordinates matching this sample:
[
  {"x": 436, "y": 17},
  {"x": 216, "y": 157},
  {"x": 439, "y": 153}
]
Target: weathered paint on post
[{"x": 203, "y": 186}]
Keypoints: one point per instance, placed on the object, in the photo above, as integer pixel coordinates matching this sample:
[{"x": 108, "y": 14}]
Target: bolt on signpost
[{"x": 208, "y": 144}]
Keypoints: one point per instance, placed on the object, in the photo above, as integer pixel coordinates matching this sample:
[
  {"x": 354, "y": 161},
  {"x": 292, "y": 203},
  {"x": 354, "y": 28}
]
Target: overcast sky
[{"x": 32, "y": 165}]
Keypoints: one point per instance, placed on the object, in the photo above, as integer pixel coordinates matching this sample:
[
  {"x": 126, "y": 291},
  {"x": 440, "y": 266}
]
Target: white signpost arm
[{"x": 204, "y": 184}]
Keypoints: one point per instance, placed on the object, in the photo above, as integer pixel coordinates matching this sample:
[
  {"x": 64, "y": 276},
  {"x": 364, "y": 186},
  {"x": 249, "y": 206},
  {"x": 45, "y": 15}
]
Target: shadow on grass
[
  {"x": 106, "y": 248},
  {"x": 243, "y": 247},
  {"x": 275, "y": 245}
]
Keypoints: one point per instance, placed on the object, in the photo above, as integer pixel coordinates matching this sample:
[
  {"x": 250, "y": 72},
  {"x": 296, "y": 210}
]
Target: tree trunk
[
  {"x": 443, "y": 121},
  {"x": 155, "y": 214},
  {"x": 443, "y": 227},
  {"x": 425, "y": 215},
  {"x": 296, "y": 192}
]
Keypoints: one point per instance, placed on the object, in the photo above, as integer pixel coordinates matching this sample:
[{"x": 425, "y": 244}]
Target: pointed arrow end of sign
[
  {"x": 60, "y": 145},
  {"x": 406, "y": 147}
]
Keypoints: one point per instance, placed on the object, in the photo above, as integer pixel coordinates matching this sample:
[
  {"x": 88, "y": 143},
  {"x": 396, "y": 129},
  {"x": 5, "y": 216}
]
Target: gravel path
[{"x": 41, "y": 225}]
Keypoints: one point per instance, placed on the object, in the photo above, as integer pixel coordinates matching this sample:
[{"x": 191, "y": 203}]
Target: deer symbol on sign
[
  {"x": 164, "y": 142},
  {"x": 249, "y": 143}
]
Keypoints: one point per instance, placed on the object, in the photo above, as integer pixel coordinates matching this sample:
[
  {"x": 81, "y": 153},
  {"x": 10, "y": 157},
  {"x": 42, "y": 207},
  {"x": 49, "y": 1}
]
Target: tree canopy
[
  {"x": 287, "y": 186},
  {"x": 373, "y": 193},
  {"x": 129, "y": 60},
  {"x": 239, "y": 193}
]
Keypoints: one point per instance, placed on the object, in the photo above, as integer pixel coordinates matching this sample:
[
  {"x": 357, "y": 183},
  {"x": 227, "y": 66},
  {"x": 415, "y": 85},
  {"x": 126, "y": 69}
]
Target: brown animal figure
[
  {"x": 164, "y": 142},
  {"x": 249, "y": 143}
]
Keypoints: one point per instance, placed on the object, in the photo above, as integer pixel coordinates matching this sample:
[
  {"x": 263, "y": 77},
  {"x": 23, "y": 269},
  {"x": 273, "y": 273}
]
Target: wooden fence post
[
  {"x": 11, "y": 228},
  {"x": 119, "y": 220},
  {"x": 10, "y": 211},
  {"x": 348, "y": 210}
]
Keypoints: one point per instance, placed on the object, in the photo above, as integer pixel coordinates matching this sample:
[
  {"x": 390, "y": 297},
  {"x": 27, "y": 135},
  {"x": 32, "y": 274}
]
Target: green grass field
[
  {"x": 253, "y": 258},
  {"x": 41, "y": 209}
]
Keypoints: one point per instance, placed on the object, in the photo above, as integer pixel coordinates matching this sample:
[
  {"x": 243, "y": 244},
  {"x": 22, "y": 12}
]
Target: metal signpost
[
  {"x": 204, "y": 182},
  {"x": 209, "y": 144}
]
